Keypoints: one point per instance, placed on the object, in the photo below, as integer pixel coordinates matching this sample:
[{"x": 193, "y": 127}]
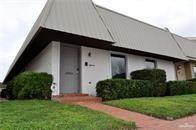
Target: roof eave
[{"x": 191, "y": 58}]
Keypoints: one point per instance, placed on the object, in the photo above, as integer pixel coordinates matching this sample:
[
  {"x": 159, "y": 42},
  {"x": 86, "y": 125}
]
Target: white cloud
[{"x": 18, "y": 16}]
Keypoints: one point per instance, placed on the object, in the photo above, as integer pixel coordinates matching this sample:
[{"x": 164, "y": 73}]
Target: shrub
[
  {"x": 121, "y": 88},
  {"x": 9, "y": 89},
  {"x": 30, "y": 85},
  {"x": 149, "y": 74},
  {"x": 180, "y": 88},
  {"x": 156, "y": 76},
  {"x": 3, "y": 94}
]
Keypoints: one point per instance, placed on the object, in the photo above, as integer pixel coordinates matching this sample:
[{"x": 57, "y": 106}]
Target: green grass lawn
[
  {"x": 50, "y": 115},
  {"x": 161, "y": 107}
]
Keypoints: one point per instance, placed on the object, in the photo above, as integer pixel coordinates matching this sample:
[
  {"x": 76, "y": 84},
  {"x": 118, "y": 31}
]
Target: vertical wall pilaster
[{"x": 56, "y": 67}]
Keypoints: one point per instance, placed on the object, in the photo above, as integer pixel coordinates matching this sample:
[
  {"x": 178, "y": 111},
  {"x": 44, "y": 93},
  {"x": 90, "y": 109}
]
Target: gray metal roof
[
  {"x": 77, "y": 17},
  {"x": 137, "y": 35},
  {"x": 192, "y": 39},
  {"x": 187, "y": 46}
]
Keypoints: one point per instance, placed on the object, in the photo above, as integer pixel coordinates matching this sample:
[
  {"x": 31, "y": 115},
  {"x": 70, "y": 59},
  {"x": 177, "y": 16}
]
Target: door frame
[{"x": 79, "y": 64}]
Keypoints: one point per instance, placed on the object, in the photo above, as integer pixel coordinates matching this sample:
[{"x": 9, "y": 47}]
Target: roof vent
[{"x": 166, "y": 28}]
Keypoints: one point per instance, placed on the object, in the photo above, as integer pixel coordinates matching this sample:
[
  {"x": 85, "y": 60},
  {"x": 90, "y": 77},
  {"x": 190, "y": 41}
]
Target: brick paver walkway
[{"x": 142, "y": 121}]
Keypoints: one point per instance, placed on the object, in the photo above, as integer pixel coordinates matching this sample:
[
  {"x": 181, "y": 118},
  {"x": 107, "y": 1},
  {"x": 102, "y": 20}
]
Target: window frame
[
  {"x": 119, "y": 56},
  {"x": 152, "y": 61}
]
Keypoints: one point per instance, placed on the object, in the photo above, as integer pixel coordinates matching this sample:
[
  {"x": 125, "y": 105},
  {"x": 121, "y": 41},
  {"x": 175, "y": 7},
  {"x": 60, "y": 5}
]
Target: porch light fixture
[{"x": 89, "y": 54}]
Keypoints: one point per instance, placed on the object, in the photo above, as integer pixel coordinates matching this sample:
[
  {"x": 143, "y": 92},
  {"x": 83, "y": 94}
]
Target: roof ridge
[
  {"x": 129, "y": 17},
  {"x": 172, "y": 35},
  {"x": 94, "y": 5},
  {"x": 48, "y": 7}
]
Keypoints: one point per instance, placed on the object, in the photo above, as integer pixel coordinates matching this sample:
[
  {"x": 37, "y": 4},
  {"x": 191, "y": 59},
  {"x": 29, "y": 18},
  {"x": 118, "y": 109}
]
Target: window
[
  {"x": 194, "y": 71},
  {"x": 118, "y": 66},
  {"x": 151, "y": 64}
]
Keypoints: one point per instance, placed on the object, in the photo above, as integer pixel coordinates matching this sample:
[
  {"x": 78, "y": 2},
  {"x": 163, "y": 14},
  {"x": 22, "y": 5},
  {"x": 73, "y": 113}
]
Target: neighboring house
[
  {"x": 80, "y": 43},
  {"x": 1, "y": 87},
  {"x": 186, "y": 69}
]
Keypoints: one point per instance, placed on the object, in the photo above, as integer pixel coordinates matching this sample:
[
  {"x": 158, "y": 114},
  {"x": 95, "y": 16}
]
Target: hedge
[
  {"x": 30, "y": 85},
  {"x": 112, "y": 89},
  {"x": 9, "y": 89},
  {"x": 193, "y": 80},
  {"x": 180, "y": 88},
  {"x": 157, "y": 75},
  {"x": 192, "y": 87}
]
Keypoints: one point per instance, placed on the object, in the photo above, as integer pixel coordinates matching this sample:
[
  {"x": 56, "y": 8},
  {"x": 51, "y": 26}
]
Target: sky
[{"x": 18, "y": 16}]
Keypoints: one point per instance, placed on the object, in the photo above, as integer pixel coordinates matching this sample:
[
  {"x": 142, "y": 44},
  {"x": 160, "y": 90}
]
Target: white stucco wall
[
  {"x": 98, "y": 68},
  {"x": 101, "y": 69},
  {"x": 169, "y": 68},
  {"x": 48, "y": 60},
  {"x": 42, "y": 62},
  {"x": 138, "y": 62}
]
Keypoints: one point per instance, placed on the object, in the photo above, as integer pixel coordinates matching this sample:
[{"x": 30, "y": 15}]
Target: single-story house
[{"x": 81, "y": 43}]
